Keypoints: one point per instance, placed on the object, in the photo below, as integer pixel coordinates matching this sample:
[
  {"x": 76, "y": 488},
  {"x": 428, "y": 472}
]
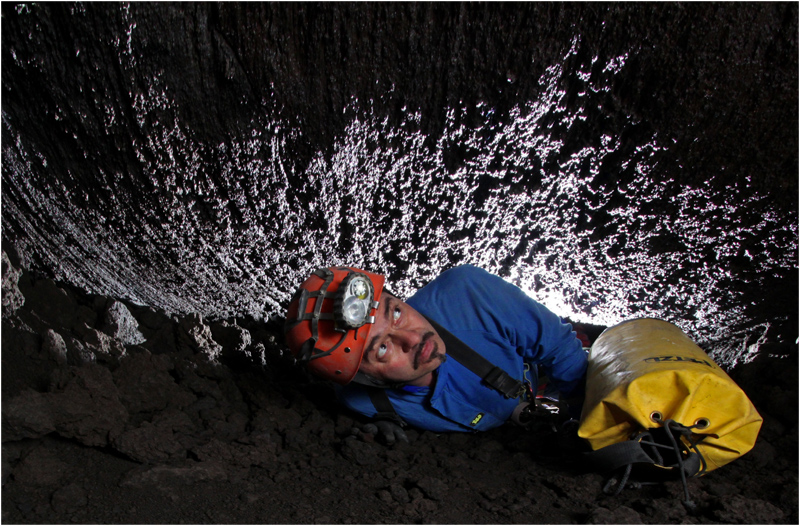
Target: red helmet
[{"x": 330, "y": 318}]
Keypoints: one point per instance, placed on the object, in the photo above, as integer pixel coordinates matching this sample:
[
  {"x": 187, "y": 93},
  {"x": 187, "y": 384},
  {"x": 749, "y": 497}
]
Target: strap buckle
[
  {"x": 527, "y": 386},
  {"x": 500, "y": 380}
]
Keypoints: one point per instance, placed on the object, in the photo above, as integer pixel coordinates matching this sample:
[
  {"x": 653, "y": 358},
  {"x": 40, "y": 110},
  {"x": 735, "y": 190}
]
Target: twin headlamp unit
[{"x": 353, "y": 302}]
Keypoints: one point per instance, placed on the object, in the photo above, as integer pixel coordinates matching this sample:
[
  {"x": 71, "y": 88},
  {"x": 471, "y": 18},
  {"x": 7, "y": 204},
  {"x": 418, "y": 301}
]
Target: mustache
[{"x": 418, "y": 349}]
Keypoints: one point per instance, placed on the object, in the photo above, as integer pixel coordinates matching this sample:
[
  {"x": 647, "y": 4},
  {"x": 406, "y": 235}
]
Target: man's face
[{"x": 403, "y": 347}]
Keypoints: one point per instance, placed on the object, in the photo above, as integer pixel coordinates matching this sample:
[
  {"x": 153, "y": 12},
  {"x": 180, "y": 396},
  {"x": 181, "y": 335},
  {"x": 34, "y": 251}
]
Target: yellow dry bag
[{"x": 646, "y": 375}]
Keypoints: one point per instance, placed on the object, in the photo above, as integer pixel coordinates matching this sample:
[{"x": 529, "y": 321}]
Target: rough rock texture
[
  {"x": 12, "y": 297},
  {"x": 203, "y": 429},
  {"x": 618, "y": 160},
  {"x": 120, "y": 324},
  {"x": 82, "y": 404},
  {"x": 172, "y": 170}
]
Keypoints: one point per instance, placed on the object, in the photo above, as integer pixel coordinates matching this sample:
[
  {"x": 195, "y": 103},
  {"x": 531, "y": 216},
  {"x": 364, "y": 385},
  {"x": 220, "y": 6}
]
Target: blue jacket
[{"x": 502, "y": 323}]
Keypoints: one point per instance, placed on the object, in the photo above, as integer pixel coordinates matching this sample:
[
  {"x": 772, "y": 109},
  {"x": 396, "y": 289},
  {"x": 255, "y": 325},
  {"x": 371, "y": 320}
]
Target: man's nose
[{"x": 407, "y": 339}]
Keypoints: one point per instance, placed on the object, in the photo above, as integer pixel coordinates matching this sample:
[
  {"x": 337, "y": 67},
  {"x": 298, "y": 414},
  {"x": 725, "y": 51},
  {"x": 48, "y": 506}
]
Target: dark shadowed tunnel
[{"x": 196, "y": 160}]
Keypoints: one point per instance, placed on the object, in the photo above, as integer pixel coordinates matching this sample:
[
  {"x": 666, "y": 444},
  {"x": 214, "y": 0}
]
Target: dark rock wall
[
  {"x": 169, "y": 419},
  {"x": 623, "y": 159},
  {"x": 171, "y": 171}
]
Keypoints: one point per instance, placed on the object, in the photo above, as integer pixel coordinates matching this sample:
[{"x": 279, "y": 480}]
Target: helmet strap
[
  {"x": 322, "y": 353},
  {"x": 365, "y": 379}
]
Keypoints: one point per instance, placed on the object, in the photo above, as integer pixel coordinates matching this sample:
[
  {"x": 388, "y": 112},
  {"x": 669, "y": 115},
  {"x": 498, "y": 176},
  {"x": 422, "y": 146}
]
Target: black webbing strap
[
  {"x": 490, "y": 374},
  {"x": 493, "y": 376},
  {"x": 643, "y": 452},
  {"x": 627, "y": 454},
  {"x": 609, "y": 458},
  {"x": 635, "y": 451},
  {"x": 384, "y": 406}
]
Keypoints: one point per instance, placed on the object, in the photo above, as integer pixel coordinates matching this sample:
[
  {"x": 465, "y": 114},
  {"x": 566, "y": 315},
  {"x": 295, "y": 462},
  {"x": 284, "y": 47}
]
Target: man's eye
[
  {"x": 396, "y": 313},
  {"x": 381, "y": 351}
]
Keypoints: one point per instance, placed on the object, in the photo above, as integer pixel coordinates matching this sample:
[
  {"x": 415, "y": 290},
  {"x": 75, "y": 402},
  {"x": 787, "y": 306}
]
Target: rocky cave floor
[{"x": 117, "y": 413}]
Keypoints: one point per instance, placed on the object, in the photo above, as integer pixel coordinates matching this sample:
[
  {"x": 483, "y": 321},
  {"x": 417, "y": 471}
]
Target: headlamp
[{"x": 353, "y": 302}]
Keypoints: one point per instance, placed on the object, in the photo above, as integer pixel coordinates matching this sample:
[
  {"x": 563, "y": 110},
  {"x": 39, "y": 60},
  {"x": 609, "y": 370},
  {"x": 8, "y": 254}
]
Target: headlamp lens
[
  {"x": 354, "y": 311},
  {"x": 352, "y": 306},
  {"x": 359, "y": 289}
]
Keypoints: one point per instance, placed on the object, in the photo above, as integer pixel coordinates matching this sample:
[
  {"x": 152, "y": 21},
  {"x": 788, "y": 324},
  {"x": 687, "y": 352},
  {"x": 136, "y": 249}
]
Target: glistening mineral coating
[{"x": 510, "y": 194}]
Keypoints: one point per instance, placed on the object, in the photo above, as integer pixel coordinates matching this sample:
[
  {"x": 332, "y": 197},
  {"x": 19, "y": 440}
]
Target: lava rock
[
  {"x": 182, "y": 474},
  {"x": 83, "y": 405},
  {"x": 69, "y": 497},
  {"x": 762, "y": 454},
  {"x": 742, "y": 510},
  {"x": 162, "y": 340},
  {"x": 145, "y": 384},
  {"x": 433, "y": 488},
  {"x": 54, "y": 346},
  {"x": 27, "y": 415},
  {"x": 260, "y": 452},
  {"x": 360, "y": 453},
  {"x": 157, "y": 441},
  {"x": 50, "y": 302},
  {"x": 12, "y": 296},
  {"x": 24, "y": 362},
  {"x": 41, "y": 467},
  {"x": 233, "y": 339},
  {"x": 105, "y": 348},
  {"x": 119, "y": 323},
  {"x": 78, "y": 353},
  {"x": 398, "y": 493},
  {"x": 196, "y": 336},
  {"x": 620, "y": 515}
]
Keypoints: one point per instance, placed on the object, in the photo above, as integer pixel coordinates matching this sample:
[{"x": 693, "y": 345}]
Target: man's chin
[
  {"x": 434, "y": 361},
  {"x": 428, "y": 373}
]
